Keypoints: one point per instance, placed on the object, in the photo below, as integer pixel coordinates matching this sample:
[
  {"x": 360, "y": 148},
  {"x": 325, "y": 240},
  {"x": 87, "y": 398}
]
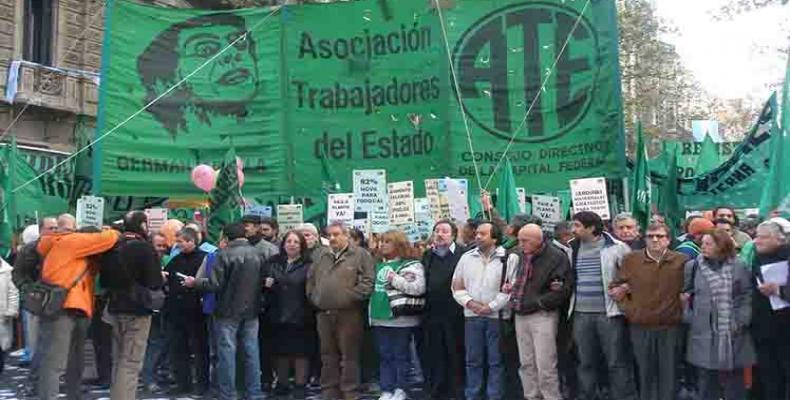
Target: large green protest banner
[
  {"x": 503, "y": 52},
  {"x": 355, "y": 85},
  {"x": 366, "y": 86},
  {"x": 234, "y": 101}
]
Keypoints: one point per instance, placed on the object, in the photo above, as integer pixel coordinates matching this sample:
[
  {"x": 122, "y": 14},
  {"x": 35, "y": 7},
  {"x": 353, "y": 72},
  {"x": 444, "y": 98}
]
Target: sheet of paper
[{"x": 776, "y": 273}]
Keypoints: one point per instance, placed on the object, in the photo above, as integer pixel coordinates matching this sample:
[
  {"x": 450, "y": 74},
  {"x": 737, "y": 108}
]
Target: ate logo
[{"x": 502, "y": 60}]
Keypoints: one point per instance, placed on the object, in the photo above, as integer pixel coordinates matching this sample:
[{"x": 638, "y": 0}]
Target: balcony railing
[{"x": 61, "y": 89}]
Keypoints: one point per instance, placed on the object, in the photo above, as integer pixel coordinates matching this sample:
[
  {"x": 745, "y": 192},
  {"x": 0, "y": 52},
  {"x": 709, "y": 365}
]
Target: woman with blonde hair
[{"x": 395, "y": 307}]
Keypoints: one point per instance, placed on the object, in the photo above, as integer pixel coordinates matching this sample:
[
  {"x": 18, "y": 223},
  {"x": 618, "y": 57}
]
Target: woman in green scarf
[{"x": 397, "y": 300}]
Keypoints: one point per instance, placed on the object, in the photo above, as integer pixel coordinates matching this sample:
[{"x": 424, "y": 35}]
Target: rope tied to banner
[
  {"x": 454, "y": 77},
  {"x": 534, "y": 101}
]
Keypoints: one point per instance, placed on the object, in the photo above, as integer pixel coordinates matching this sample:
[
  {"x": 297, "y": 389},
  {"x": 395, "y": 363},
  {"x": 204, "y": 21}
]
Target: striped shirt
[{"x": 589, "y": 283}]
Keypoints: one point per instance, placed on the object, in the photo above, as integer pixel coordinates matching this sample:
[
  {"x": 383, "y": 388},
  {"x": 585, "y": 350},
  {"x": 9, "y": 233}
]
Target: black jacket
[
  {"x": 237, "y": 280},
  {"x": 182, "y": 300},
  {"x": 767, "y": 324},
  {"x": 548, "y": 265},
  {"x": 137, "y": 268},
  {"x": 288, "y": 302},
  {"x": 27, "y": 266},
  {"x": 438, "y": 280}
]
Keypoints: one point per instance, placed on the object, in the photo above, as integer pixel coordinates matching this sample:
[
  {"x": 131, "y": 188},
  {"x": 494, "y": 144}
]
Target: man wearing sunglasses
[{"x": 648, "y": 288}]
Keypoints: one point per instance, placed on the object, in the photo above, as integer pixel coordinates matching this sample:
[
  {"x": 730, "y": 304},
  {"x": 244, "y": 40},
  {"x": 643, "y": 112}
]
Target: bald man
[
  {"x": 67, "y": 223},
  {"x": 543, "y": 284}
]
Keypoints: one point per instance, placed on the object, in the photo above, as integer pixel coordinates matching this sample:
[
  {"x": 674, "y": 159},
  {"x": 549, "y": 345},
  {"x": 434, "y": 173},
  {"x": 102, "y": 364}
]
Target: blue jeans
[
  {"x": 227, "y": 331},
  {"x": 394, "y": 357},
  {"x": 597, "y": 335},
  {"x": 481, "y": 337}
]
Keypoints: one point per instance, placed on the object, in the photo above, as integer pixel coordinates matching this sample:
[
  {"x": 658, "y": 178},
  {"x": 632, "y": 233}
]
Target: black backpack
[{"x": 113, "y": 272}]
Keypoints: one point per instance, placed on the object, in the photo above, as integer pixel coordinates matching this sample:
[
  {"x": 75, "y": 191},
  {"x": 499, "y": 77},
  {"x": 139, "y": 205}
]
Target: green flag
[
  {"x": 640, "y": 182},
  {"x": 475, "y": 207},
  {"x": 225, "y": 199},
  {"x": 668, "y": 201},
  {"x": 778, "y": 188},
  {"x": 329, "y": 181},
  {"x": 507, "y": 198},
  {"x": 708, "y": 156},
  {"x": 24, "y": 199}
]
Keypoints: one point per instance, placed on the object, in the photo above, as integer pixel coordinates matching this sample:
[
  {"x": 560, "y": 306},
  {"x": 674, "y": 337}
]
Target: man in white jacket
[{"x": 480, "y": 287}]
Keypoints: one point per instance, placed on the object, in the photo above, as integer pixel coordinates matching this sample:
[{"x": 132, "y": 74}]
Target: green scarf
[{"x": 379, "y": 300}]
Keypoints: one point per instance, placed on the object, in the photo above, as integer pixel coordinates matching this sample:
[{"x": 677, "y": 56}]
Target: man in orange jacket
[{"x": 66, "y": 264}]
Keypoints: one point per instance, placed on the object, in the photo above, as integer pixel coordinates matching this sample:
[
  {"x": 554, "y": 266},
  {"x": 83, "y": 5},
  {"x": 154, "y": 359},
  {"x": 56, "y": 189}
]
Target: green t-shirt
[{"x": 379, "y": 300}]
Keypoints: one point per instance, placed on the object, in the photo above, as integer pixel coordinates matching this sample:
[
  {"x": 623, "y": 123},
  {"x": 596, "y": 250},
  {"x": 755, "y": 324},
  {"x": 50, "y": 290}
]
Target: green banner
[
  {"x": 366, "y": 85},
  {"x": 737, "y": 182},
  {"x": 234, "y": 101},
  {"x": 503, "y": 52},
  {"x": 688, "y": 153},
  {"x": 355, "y": 85}
]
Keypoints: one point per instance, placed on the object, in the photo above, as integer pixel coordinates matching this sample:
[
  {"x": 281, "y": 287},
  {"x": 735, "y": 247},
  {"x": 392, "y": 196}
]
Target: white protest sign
[
  {"x": 379, "y": 221},
  {"x": 260, "y": 211},
  {"x": 422, "y": 213},
  {"x": 412, "y": 232},
  {"x": 457, "y": 203},
  {"x": 363, "y": 225},
  {"x": 432, "y": 194},
  {"x": 156, "y": 218},
  {"x": 401, "y": 202},
  {"x": 370, "y": 190},
  {"x": 90, "y": 211},
  {"x": 289, "y": 216},
  {"x": 340, "y": 208},
  {"x": 589, "y": 194},
  {"x": 548, "y": 209},
  {"x": 522, "y": 199}
]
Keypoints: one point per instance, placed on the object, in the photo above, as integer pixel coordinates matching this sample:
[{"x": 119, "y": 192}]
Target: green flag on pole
[
  {"x": 24, "y": 200},
  {"x": 708, "y": 156},
  {"x": 225, "y": 199},
  {"x": 329, "y": 182},
  {"x": 778, "y": 187},
  {"x": 507, "y": 198},
  {"x": 475, "y": 207},
  {"x": 668, "y": 200},
  {"x": 640, "y": 182}
]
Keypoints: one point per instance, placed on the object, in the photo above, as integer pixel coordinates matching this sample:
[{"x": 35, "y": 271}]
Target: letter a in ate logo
[{"x": 502, "y": 60}]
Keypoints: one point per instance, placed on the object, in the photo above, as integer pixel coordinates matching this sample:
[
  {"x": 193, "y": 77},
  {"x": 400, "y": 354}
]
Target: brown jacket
[
  {"x": 653, "y": 299},
  {"x": 342, "y": 283}
]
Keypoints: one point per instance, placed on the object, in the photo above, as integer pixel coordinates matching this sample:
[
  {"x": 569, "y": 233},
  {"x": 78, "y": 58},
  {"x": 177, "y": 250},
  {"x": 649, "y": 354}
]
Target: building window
[{"x": 39, "y": 31}]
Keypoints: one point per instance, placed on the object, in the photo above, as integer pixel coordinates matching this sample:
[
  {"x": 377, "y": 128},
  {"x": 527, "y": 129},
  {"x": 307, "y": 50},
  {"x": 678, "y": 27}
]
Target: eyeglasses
[{"x": 656, "y": 236}]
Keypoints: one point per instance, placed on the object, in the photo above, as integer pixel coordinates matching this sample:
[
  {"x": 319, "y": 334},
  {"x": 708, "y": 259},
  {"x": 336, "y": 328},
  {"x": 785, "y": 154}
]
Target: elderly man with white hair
[
  {"x": 769, "y": 326},
  {"x": 543, "y": 284},
  {"x": 315, "y": 244}
]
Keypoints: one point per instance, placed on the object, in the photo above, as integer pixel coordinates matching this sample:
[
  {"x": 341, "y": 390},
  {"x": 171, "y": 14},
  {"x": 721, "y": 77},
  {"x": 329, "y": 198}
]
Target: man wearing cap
[{"x": 696, "y": 228}]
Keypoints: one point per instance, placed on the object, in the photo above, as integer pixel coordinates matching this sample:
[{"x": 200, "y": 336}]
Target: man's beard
[{"x": 254, "y": 239}]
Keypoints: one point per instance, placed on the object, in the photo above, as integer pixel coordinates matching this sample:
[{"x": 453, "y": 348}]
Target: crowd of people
[{"x": 485, "y": 309}]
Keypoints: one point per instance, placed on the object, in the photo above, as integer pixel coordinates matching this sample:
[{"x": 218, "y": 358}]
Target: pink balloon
[{"x": 204, "y": 178}]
